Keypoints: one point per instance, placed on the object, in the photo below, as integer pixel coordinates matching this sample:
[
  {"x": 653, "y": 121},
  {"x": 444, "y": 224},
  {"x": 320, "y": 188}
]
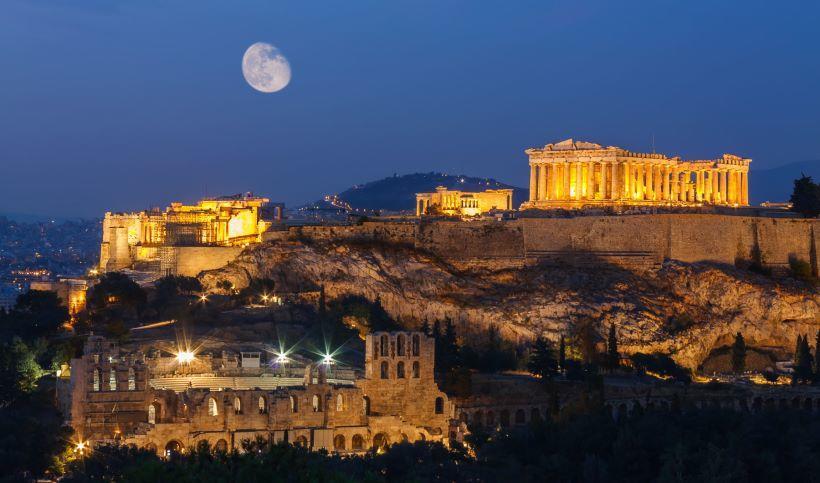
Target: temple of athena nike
[{"x": 571, "y": 174}]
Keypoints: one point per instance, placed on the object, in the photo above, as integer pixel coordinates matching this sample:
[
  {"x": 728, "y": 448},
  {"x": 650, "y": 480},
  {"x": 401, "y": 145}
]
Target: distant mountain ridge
[
  {"x": 776, "y": 184},
  {"x": 397, "y": 193}
]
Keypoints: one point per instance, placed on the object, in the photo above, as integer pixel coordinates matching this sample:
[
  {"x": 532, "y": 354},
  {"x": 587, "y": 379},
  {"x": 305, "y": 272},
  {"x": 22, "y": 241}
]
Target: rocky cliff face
[{"x": 682, "y": 309}]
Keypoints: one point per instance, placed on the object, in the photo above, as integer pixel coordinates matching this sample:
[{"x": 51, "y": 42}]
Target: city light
[
  {"x": 327, "y": 359},
  {"x": 282, "y": 359},
  {"x": 265, "y": 298},
  {"x": 203, "y": 298},
  {"x": 81, "y": 447},
  {"x": 185, "y": 357}
]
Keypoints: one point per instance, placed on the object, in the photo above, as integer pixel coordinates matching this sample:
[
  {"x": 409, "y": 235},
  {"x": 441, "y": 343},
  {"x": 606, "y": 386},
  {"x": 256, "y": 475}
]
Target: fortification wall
[
  {"x": 190, "y": 261},
  {"x": 393, "y": 232},
  {"x": 472, "y": 240},
  {"x": 628, "y": 240}
]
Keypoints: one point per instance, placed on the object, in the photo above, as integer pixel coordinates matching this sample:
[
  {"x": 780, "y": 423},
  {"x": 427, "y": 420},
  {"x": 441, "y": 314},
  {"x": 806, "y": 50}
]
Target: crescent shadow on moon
[{"x": 265, "y": 68}]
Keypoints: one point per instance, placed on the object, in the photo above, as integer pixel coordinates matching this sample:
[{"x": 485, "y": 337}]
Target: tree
[
  {"x": 37, "y": 313},
  {"x": 739, "y": 354},
  {"x": 172, "y": 286},
  {"x": 425, "y": 327},
  {"x": 801, "y": 372},
  {"x": 449, "y": 348},
  {"x": 542, "y": 361},
  {"x": 613, "y": 358},
  {"x": 562, "y": 354},
  {"x": 19, "y": 371},
  {"x": 805, "y": 197},
  {"x": 817, "y": 355},
  {"x": 115, "y": 288}
]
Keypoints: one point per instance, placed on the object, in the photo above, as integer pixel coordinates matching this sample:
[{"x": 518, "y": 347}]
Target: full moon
[{"x": 265, "y": 68}]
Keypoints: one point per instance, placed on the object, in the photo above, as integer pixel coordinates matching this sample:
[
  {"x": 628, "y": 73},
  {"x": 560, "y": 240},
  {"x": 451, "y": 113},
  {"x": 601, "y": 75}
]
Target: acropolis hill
[{"x": 682, "y": 255}]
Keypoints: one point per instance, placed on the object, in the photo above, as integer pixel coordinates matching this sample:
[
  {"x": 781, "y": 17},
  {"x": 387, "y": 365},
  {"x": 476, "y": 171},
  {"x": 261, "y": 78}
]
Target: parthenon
[{"x": 571, "y": 174}]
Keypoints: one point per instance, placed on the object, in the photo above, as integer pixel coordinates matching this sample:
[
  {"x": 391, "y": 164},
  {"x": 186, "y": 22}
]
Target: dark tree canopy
[
  {"x": 805, "y": 198},
  {"x": 115, "y": 288},
  {"x": 542, "y": 361},
  {"x": 36, "y": 314},
  {"x": 739, "y": 354}
]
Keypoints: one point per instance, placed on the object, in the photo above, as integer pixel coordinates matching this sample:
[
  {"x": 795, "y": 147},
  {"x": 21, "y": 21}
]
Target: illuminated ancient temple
[
  {"x": 571, "y": 174},
  {"x": 223, "y": 222}
]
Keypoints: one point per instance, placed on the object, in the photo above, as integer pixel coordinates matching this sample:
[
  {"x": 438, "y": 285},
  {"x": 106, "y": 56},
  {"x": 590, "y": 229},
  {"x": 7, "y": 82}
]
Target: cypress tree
[
  {"x": 817, "y": 355},
  {"x": 801, "y": 371},
  {"x": 739, "y": 354},
  {"x": 542, "y": 359},
  {"x": 613, "y": 359},
  {"x": 450, "y": 346},
  {"x": 425, "y": 327},
  {"x": 562, "y": 354}
]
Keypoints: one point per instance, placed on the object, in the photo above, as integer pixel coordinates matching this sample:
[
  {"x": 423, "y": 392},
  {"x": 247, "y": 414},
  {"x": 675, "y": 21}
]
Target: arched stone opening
[
  {"x": 173, "y": 448},
  {"x": 357, "y": 442},
  {"x": 380, "y": 441},
  {"x": 339, "y": 442}
]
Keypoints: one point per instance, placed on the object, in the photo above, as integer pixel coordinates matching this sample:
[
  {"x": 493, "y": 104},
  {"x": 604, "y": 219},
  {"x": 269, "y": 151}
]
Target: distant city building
[
  {"x": 146, "y": 240},
  {"x": 71, "y": 291},
  {"x": 465, "y": 203},
  {"x": 571, "y": 174}
]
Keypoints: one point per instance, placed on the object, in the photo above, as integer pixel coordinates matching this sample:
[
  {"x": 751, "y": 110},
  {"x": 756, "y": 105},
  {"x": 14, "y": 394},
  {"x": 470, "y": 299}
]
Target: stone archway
[
  {"x": 381, "y": 441},
  {"x": 174, "y": 448}
]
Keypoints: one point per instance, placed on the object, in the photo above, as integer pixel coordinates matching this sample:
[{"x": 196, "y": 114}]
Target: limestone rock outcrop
[{"x": 682, "y": 309}]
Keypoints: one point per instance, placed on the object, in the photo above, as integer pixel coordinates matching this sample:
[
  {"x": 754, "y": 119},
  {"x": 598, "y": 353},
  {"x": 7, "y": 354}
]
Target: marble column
[
  {"x": 590, "y": 180},
  {"x": 650, "y": 182},
  {"x": 666, "y": 183},
  {"x": 724, "y": 192},
  {"x": 576, "y": 186},
  {"x": 566, "y": 180},
  {"x": 625, "y": 192},
  {"x": 707, "y": 186},
  {"x": 533, "y": 182},
  {"x": 613, "y": 192},
  {"x": 744, "y": 188},
  {"x": 542, "y": 183},
  {"x": 602, "y": 188}
]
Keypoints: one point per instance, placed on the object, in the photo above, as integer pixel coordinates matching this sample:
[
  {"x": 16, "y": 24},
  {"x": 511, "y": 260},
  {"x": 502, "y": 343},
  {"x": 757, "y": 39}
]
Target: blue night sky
[{"x": 118, "y": 105}]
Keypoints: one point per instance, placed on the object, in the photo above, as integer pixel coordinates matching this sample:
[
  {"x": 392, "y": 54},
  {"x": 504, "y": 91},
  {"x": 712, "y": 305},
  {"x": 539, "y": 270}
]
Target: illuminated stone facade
[
  {"x": 71, "y": 291},
  {"x": 571, "y": 174},
  {"x": 231, "y": 221},
  {"x": 465, "y": 203},
  {"x": 224, "y": 398}
]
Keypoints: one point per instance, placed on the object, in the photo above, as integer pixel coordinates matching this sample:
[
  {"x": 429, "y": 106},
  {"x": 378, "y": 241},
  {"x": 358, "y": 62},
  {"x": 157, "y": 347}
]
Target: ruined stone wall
[
  {"x": 629, "y": 240},
  {"x": 190, "y": 261},
  {"x": 393, "y": 232}
]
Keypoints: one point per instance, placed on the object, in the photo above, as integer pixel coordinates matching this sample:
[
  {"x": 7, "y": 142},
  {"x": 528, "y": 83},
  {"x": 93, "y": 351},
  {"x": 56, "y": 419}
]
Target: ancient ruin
[
  {"x": 572, "y": 174},
  {"x": 463, "y": 203}
]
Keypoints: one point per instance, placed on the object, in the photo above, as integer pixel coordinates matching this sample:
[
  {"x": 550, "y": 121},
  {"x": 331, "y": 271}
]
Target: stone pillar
[
  {"x": 590, "y": 180},
  {"x": 613, "y": 192},
  {"x": 666, "y": 183},
  {"x": 566, "y": 181},
  {"x": 626, "y": 192},
  {"x": 549, "y": 181},
  {"x": 650, "y": 182},
  {"x": 533, "y": 185},
  {"x": 714, "y": 178},
  {"x": 707, "y": 186},
  {"x": 602, "y": 188},
  {"x": 724, "y": 191},
  {"x": 744, "y": 188},
  {"x": 578, "y": 180},
  {"x": 690, "y": 188},
  {"x": 543, "y": 194}
]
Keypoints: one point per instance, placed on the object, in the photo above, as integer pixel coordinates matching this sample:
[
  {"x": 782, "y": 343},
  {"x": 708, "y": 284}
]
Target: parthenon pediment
[{"x": 571, "y": 145}]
